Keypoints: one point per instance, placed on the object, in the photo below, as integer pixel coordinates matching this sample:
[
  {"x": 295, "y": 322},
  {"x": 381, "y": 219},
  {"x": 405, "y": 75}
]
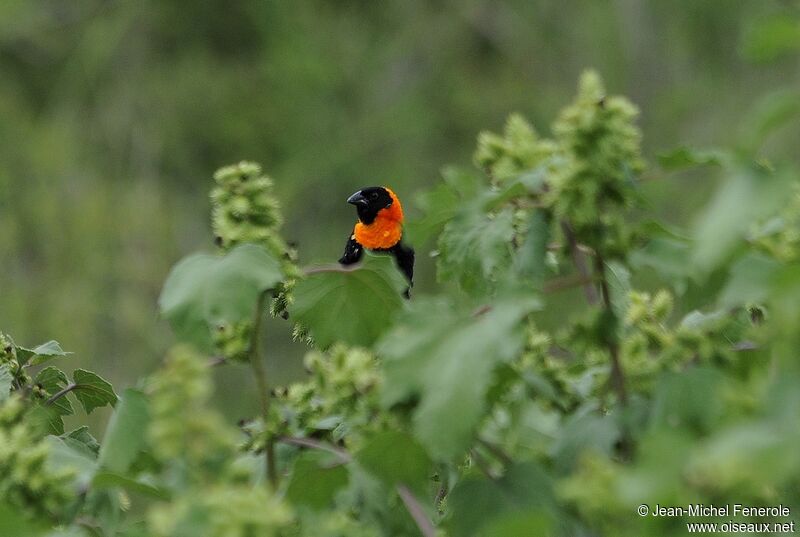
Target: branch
[
  {"x": 745, "y": 345},
  {"x": 579, "y": 259},
  {"x": 416, "y": 511},
  {"x": 216, "y": 361},
  {"x": 61, "y": 393},
  {"x": 566, "y": 282},
  {"x": 617, "y": 375},
  {"x": 481, "y": 310},
  {"x": 411, "y": 503},
  {"x": 497, "y": 451},
  {"x": 444, "y": 488},
  {"x": 344, "y": 456},
  {"x": 263, "y": 388}
]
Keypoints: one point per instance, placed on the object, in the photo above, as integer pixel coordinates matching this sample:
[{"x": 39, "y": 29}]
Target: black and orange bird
[{"x": 380, "y": 229}]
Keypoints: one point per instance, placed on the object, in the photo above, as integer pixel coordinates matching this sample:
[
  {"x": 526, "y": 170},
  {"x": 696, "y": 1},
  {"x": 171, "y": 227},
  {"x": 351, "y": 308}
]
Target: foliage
[
  {"x": 669, "y": 376},
  {"x": 206, "y": 294},
  {"x": 354, "y": 307}
]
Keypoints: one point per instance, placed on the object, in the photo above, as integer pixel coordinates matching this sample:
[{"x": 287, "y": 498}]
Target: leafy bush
[{"x": 671, "y": 377}]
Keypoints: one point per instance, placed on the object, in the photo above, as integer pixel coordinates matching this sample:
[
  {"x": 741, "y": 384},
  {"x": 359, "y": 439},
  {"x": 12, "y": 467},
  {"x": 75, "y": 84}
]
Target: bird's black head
[{"x": 369, "y": 201}]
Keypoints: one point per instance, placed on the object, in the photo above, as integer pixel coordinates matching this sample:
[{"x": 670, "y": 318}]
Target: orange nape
[{"x": 386, "y": 230}]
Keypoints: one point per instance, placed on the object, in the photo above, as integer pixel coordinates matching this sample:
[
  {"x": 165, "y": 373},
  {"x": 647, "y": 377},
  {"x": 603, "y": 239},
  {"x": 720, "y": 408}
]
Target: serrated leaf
[
  {"x": 495, "y": 199},
  {"x": 126, "y": 433},
  {"x": 203, "y": 291},
  {"x": 474, "y": 248},
  {"x": 396, "y": 458},
  {"x": 78, "y": 446},
  {"x": 478, "y": 503},
  {"x": 53, "y": 380},
  {"x": 531, "y": 257},
  {"x": 441, "y": 203},
  {"x": 83, "y": 436},
  {"x": 46, "y": 420},
  {"x": 40, "y": 354},
  {"x": 314, "y": 483},
  {"x": 444, "y": 356},
  {"x": 354, "y": 306},
  {"x": 92, "y": 391},
  {"x": 619, "y": 282},
  {"x": 6, "y": 380}
]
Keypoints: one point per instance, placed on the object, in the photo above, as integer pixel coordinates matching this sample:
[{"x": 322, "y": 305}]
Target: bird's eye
[{"x": 374, "y": 196}]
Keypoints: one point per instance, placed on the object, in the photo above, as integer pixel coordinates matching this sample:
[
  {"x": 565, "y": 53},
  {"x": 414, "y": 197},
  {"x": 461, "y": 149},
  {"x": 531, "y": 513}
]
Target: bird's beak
[{"x": 357, "y": 199}]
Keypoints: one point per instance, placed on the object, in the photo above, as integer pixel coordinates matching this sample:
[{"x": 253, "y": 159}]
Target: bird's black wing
[
  {"x": 404, "y": 255},
  {"x": 353, "y": 252}
]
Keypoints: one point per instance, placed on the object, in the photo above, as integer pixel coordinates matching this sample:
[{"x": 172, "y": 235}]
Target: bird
[{"x": 379, "y": 229}]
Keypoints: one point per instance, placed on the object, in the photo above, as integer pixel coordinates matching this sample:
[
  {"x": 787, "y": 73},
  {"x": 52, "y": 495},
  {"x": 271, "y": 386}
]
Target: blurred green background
[{"x": 114, "y": 115}]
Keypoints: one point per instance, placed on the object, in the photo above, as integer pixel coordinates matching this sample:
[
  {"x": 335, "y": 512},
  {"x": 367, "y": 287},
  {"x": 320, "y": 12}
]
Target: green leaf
[
  {"x": 686, "y": 157},
  {"x": 748, "y": 455},
  {"x": 6, "y": 379},
  {"x": 396, "y": 458},
  {"x": 531, "y": 257},
  {"x": 668, "y": 253},
  {"x": 64, "y": 455},
  {"x": 92, "y": 391},
  {"x": 585, "y": 430},
  {"x": 82, "y": 436},
  {"x": 535, "y": 179},
  {"x": 46, "y": 420},
  {"x": 203, "y": 291},
  {"x": 315, "y": 482},
  {"x": 53, "y": 380},
  {"x": 354, "y": 306},
  {"x": 668, "y": 256},
  {"x": 697, "y": 320},
  {"x": 475, "y": 248},
  {"x": 619, "y": 282},
  {"x": 750, "y": 195},
  {"x": 478, "y": 503},
  {"x": 441, "y": 204},
  {"x": 444, "y": 356},
  {"x": 750, "y": 280},
  {"x": 110, "y": 480},
  {"x": 689, "y": 401},
  {"x": 126, "y": 433},
  {"x": 40, "y": 354}
]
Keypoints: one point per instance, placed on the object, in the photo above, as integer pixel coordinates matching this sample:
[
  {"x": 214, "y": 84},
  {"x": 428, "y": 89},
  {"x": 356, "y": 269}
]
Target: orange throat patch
[
  {"x": 381, "y": 234},
  {"x": 385, "y": 231}
]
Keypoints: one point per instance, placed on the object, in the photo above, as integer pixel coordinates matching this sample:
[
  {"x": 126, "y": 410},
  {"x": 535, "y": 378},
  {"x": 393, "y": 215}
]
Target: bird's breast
[{"x": 380, "y": 234}]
